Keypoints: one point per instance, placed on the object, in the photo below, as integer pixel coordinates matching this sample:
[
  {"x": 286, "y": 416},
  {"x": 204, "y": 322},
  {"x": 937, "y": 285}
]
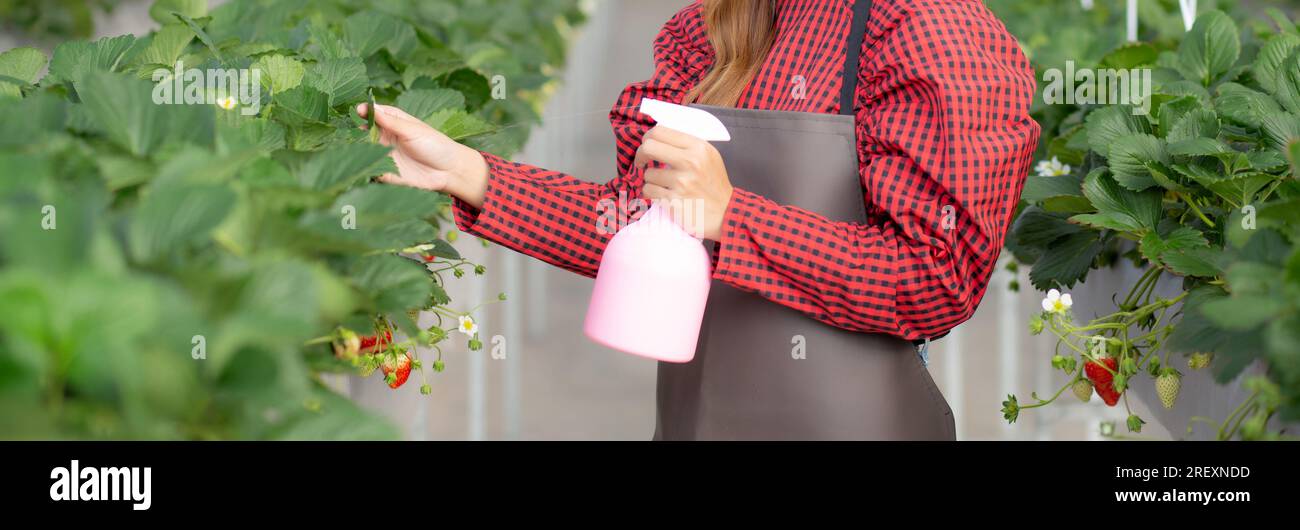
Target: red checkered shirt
[{"x": 944, "y": 142}]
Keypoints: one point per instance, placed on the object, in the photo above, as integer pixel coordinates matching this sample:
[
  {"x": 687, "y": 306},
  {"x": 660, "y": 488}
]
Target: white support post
[
  {"x": 512, "y": 330},
  {"x": 1132, "y": 20},
  {"x": 477, "y": 428},
  {"x": 1009, "y": 330},
  {"x": 1188, "y": 8}
]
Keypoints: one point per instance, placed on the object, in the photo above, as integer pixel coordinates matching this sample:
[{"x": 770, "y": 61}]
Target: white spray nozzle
[{"x": 695, "y": 122}]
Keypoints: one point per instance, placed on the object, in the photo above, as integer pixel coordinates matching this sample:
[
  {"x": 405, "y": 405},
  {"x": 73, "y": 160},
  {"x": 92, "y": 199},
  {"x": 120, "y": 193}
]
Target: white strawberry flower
[
  {"x": 1057, "y": 302},
  {"x": 228, "y": 102},
  {"x": 1052, "y": 168},
  {"x": 467, "y": 326}
]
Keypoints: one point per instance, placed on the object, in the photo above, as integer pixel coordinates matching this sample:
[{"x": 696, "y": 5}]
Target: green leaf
[
  {"x": 161, "y": 10},
  {"x": 1133, "y": 210},
  {"x": 280, "y": 73},
  {"x": 393, "y": 283},
  {"x": 1129, "y": 156},
  {"x": 1196, "y": 333},
  {"x": 1153, "y": 245},
  {"x": 369, "y": 31},
  {"x": 123, "y": 108},
  {"x": 1241, "y": 313},
  {"x": 1106, "y": 124},
  {"x": 443, "y": 249},
  {"x": 1209, "y": 49},
  {"x": 1270, "y": 58},
  {"x": 177, "y": 214},
  {"x": 202, "y": 35},
  {"x": 1281, "y": 129},
  {"x": 459, "y": 124},
  {"x": 1192, "y": 262},
  {"x": 22, "y": 64},
  {"x": 166, "y": 46},
  {"x": 1287, "y": 89},
  {"x": 342, "y": 165},
  {"x": 1199, "y": 123},
  {"x": 1066, "y": 261},
  {"x": 301, "y": 106},
  {"x": 74, "y": 58},
  {"x": 1129, "y": 56},
  {"x": 1244, "y": 106},
  {"x": 423, "y": 103},
  {"x": 1198, "y": 146},
  {"x": 343, "y": 80}
]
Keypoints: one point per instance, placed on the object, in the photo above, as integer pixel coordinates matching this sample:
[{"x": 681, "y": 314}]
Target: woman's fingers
[
  {"x": 395, "y": 121},
  {"x": 663, "y": 177},
  {"x": 652, "y": 150},
  {"x": 672, "y": 137},
  {"x": 656, "y": 192}
]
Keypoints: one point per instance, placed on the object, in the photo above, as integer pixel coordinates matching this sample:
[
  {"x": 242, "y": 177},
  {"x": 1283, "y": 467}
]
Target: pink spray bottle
[{"x": 654, "y": 276}]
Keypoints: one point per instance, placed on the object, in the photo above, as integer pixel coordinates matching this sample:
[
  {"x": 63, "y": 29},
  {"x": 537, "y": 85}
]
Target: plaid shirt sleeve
[
  {"x": 944, "y": 144},
  {"x": 553, "y": 216}
]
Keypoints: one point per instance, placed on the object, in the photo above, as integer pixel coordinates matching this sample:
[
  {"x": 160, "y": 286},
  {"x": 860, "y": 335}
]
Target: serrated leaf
[
  {"x": 174, "y": 215},
  {"x": 369, "y": 31},
  {"x": 343, "y": 80},
  {"x": 394, "y": 284},
  {"x": 424, "y": 103},
  {"x": 1281, "y": 129},
  {"x": 1106, "y": 124},
  {"x": 1287, "y": 87},
  {"x": 74, "y": 58},
  {"x": 1198, "y": 146},
  {"x": 1129, "y": 156},
  {"x": 1066, "y": 261},
  {"x": 1130, "y": 56},
  {"x": 458, "y": 124},
  {"x": 22, "y": 64},
  {"x": 1136, "y": 210},
  {"x": 1199, "y": 123},
  {"x": 1192, "y": 262},
  {"x": 301, "y": 106},
  {"x": 342, "y": 165},
  {"x": 201, "y": 34},
  {"x": 280, "y": 73},
  {"x": 1270, "y": 58},
  {"x": 161, "y": 10},
  {"x": 1244, "y": 106},
  {"x": 1241, "y": 313},
  {"x": 1209, "y": 49},
  {"x": 166, "y": 46},
  {"x": 123, "y": 108}
]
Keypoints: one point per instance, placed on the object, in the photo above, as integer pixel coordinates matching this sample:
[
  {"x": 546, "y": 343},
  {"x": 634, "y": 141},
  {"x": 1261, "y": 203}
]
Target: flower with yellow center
[
  {"x": 1057, "y": 302},
  {"x": 467, "y": 326},
  {"x": 228, "y": 102}
]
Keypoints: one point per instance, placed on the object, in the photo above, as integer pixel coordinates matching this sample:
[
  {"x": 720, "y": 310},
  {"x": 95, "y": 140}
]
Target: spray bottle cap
[{"x": 690, "y": 120}]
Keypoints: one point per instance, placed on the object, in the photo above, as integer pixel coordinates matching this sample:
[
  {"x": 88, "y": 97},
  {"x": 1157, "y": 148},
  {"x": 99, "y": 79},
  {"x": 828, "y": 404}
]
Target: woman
[{"x": 878, "y": 152}]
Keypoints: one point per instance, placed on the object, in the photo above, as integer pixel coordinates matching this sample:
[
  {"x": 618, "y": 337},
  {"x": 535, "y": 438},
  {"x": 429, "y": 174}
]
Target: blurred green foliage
[{"x": 132, "y": 232}]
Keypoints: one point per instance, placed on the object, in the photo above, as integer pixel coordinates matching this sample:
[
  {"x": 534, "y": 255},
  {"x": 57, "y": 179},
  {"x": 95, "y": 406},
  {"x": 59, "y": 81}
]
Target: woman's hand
[
  {"x": 428, "y": 159},
  {"x": 695, "y": 178}
]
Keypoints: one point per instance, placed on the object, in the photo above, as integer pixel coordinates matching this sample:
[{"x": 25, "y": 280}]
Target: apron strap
[{"x": 857, "y": 37}]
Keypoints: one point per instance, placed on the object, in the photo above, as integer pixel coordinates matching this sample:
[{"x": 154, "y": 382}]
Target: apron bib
[{"x": 747, "y": 381}]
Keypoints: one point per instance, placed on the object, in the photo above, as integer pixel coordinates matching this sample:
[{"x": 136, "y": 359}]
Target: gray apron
[{"x": 763, "y": 371}]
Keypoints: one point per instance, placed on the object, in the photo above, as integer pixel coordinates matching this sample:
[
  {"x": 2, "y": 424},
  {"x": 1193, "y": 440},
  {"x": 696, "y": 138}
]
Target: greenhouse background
[{"x": 552, "y": 383}]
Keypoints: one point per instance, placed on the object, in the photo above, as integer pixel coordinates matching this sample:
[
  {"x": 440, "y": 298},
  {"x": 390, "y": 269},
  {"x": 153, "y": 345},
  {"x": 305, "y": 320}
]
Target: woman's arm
[
  {"x": 945, "y": 143},
  {"x": 553, "y": 216}
]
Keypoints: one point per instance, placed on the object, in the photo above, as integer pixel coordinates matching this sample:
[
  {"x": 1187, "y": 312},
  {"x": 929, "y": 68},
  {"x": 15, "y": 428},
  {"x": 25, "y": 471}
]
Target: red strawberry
[
  {"x": 396, "y": 369},
  {"x": 374, "y": 344},
  {"x": 429, "y": 258},
  {"x": 1102, "y": 379}
]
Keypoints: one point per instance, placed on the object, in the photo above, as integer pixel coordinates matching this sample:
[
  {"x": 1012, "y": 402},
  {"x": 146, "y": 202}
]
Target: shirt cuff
[
  {"x": 471, "y": 220},
  {"x": 735, "y": 246}
]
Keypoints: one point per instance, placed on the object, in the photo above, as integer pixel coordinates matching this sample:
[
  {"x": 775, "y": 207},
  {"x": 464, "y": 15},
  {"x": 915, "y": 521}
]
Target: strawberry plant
[
  {"x": 186, "y": 264},
  {"x": 1199, "y": 193}
]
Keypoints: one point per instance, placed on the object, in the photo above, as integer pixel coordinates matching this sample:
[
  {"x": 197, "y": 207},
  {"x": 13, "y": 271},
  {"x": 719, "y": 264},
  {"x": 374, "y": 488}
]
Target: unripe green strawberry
[
  {"x": 1082, "y": 390},
  {"x": 1199, "y": 361},
  {"x": 1167, "y": 387}
]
